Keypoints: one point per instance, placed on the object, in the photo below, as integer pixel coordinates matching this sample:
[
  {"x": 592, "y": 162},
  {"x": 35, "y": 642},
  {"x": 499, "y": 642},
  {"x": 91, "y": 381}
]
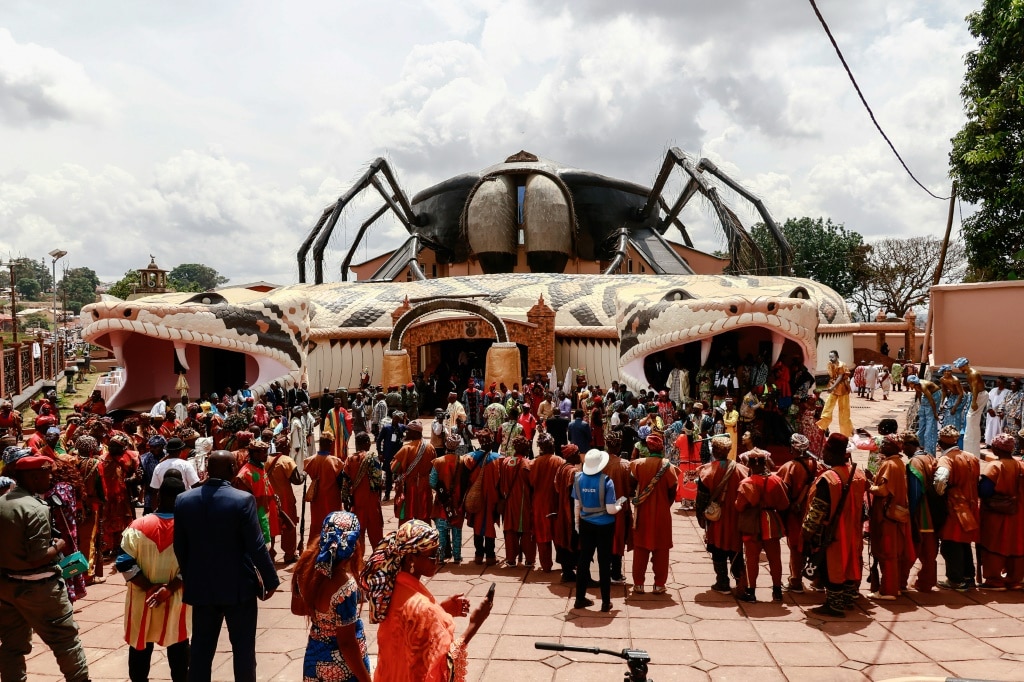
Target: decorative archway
[
  {"x": 502, "y": 356},
  {"x": 437, "y": 305}
]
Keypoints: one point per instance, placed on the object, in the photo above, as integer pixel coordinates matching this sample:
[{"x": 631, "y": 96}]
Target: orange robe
[
  {"x": 654, "y": 516},
  {"x": 418, "y": 498},
  {"x": 845, "y": 556},
  {"x": 365, "y": 502},
  {"x": 723, "y": 533},
  {"x": 1004, "y": 533},
  {"x": 484, "y": 521},
  {"x": 798, "y": 475},
  {"x": 545, "y": 499},
  {"x": 416, "y": 641},
  {"x": 961, "y": 494},
  {"x": 323, "y": 469},
  {"x": 449, "y": 470},
  {"x": 515, "y": 489}
]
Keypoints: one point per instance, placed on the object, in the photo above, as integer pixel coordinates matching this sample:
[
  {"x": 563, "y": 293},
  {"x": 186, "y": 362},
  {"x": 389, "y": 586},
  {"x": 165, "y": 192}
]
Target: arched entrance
[{"x": 410, "y": 337}]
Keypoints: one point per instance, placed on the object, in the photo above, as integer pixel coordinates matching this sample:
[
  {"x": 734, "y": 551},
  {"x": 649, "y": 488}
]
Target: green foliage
[
  {"x": 125, "y": 286},
  {"x": 195, "y": 277},
  {"x": 987, "y": 157},
  {"x": 822, "y": 250},
  {"x": 28, "y": 288},
  {"x": 80, "y": 286},
  {"x": 27, "y": 268},
  {"x": 34, "y": 321}
]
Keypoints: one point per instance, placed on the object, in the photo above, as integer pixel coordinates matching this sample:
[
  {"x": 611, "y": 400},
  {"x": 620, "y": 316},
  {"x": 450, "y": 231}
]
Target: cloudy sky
[{"x": 217, "y": 132}]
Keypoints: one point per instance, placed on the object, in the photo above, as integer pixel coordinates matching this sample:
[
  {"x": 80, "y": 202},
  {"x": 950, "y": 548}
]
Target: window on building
[{"x": 629, "y": 266}]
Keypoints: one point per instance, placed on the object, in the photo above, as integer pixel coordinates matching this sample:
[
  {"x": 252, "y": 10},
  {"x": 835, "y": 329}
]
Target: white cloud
[
  {"x": 39, "y": 86},
  {"x": 305, "y": 100}
]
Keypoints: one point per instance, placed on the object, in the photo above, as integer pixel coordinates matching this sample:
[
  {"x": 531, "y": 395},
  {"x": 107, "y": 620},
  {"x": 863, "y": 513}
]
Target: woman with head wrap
[
  {"x": 325, "y": 581},
  {"x": 416, "y": 638}
]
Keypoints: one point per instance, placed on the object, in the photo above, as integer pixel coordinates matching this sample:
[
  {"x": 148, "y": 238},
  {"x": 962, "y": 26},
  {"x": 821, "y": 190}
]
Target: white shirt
[
  {"x": 188, "y": 472},
  {"x": 159, "y": 408}
]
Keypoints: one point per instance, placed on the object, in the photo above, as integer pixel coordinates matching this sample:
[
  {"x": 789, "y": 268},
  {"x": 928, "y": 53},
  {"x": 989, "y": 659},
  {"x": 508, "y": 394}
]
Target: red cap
[{"x": 33, "y": 462}]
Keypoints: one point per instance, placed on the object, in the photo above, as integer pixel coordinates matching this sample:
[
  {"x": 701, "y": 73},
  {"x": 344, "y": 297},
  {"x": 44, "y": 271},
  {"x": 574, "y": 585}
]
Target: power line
[{"x": 860, "y": 94}]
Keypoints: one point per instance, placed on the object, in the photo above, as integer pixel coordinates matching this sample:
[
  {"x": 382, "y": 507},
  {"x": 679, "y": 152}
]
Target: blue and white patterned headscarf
[
  {"x": 13, "y": 454},
  {"x": 338, "y": 540}
]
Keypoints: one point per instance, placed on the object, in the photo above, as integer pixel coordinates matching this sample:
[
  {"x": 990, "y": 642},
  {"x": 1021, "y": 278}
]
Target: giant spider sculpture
[{"x": 557, "y": 212}]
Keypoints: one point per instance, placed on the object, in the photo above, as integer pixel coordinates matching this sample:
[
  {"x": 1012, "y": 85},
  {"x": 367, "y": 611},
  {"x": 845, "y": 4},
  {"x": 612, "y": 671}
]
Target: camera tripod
[{"x": 636, "y": 659}]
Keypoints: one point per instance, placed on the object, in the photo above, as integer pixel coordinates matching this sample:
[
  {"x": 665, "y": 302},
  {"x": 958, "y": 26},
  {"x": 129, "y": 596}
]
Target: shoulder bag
[{"x": 713, "y": 512}]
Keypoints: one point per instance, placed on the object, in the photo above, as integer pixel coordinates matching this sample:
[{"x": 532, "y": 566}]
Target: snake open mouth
[
  {"x": 212, "y": 343},
  {"x": 651, "y": 325}
]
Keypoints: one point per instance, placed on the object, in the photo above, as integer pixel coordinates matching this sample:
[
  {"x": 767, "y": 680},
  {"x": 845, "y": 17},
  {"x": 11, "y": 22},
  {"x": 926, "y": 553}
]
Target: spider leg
[
  {"x": 785, "y": 250},
  {"x": 320, "y": 235}
]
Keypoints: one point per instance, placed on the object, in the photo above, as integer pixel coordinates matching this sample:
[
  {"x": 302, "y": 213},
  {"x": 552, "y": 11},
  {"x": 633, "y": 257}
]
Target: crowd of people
[{"x": 191, "y": 502}]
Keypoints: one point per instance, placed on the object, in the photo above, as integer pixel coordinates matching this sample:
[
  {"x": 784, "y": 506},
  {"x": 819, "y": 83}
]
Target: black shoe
[
  {"x": 568, "y": 577},
  {"x": 606, "y": 607},
  {"x": 777, "y": 593},
  {"x": 722, "y": 587},
  {"x": 826, "y": 610},
  {"x": 583, "y": 603},
  {"x": 748, "y": 595}
]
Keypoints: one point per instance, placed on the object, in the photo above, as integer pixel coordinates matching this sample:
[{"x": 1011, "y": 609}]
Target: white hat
[{"x": 595, "y": 461}]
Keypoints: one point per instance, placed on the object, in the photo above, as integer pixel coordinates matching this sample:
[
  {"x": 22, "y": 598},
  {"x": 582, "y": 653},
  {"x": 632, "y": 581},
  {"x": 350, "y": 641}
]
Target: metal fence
[{"x": 22, "y": 369}]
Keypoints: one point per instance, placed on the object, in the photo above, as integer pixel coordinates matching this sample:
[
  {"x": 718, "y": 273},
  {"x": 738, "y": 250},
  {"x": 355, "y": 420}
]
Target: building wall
[
  {"x": 982, "y": 322},
  {"x": 869, "y": 340}
]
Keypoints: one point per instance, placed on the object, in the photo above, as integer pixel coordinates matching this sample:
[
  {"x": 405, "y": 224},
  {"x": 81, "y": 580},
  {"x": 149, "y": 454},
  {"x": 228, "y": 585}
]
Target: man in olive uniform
[{"x": 32, "y": 595}]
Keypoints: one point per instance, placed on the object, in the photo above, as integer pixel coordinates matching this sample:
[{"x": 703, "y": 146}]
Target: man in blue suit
[{"x": 225, "y": 567}]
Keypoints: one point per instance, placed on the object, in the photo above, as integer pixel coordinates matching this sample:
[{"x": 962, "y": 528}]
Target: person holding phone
[
  {"x": 593, "y": 493},
  {"x": 416, "y": 639}
]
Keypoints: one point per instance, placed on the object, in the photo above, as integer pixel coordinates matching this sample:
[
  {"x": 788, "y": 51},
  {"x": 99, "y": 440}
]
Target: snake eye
[
  {"x": 128, "y": 312},
  {"x": 771, "y": 307},
  {"x": 733, "y": 309}
]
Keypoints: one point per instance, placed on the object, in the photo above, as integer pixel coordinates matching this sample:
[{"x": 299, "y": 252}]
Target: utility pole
[
  {"x": 936, "y": 278},
  {"x": 14, "y": 304}
]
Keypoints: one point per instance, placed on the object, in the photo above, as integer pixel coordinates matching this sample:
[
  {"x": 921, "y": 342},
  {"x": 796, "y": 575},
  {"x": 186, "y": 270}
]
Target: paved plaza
[{"x": 691, "y": 633}]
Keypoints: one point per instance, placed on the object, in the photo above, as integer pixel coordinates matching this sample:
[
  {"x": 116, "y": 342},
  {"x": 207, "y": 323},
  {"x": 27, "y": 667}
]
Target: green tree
[
  {"x": 125, "y": 286},
  {"x": 822, "y": 250},
  {"x": 195, "y": 277},
  {"x": 28, "y": 288},
  {"x": 987, "y": 157},
  {"x": 79, "y": 284},
  {"x": 27, "y": 268}
]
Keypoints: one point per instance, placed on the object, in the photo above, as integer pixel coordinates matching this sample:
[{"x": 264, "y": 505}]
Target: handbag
[
  {"x": 896, "y": 512},
  {"x": 73, "y": 564},
  {"x": 713, "y": 512}
]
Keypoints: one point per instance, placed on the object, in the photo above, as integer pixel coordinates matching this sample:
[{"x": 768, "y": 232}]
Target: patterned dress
[{"x": 323, "y": 659}]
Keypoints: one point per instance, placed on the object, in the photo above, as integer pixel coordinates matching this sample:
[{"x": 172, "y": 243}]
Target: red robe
[
  {"x": 565, "y": 519},
  {"x": 117, "y": 511},
  {"x": 617, "y": 469},
  {"x": 961, "y": 494},
  {"x": 515, "y": 488},
  {"x": 449, "y": 474},
  {"x": 845, "y": 556},
  {"x": 253, "y": 480},
  {"x": 545, "y": 499},
  {"x": 418, "y": 496},
  {"x": 1004, "y": 533},
  {"x": 654, "y": 516},
  {"x": 486, "y": 519},
  {"x": 799, "y": 480},
  {"x": 723, "y": 533},
  {"x": 365, "y": 502},
  {"x": 889, "y": 539}
]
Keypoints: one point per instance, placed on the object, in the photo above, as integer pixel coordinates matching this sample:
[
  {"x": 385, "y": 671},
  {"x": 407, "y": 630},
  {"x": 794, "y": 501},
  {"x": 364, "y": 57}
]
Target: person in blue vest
[{"x": 596, "y": 506}]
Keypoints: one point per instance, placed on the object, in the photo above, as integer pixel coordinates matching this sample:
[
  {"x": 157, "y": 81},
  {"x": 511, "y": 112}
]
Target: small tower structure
[{"x": 152, "y": 280}]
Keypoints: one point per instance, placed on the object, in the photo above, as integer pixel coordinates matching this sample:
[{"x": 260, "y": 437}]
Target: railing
[{"x": 20, "y": 371}]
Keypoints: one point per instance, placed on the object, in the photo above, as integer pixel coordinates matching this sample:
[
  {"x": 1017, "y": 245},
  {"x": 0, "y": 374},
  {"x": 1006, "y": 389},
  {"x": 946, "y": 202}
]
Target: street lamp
[{"x": 56, "y": 255}]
